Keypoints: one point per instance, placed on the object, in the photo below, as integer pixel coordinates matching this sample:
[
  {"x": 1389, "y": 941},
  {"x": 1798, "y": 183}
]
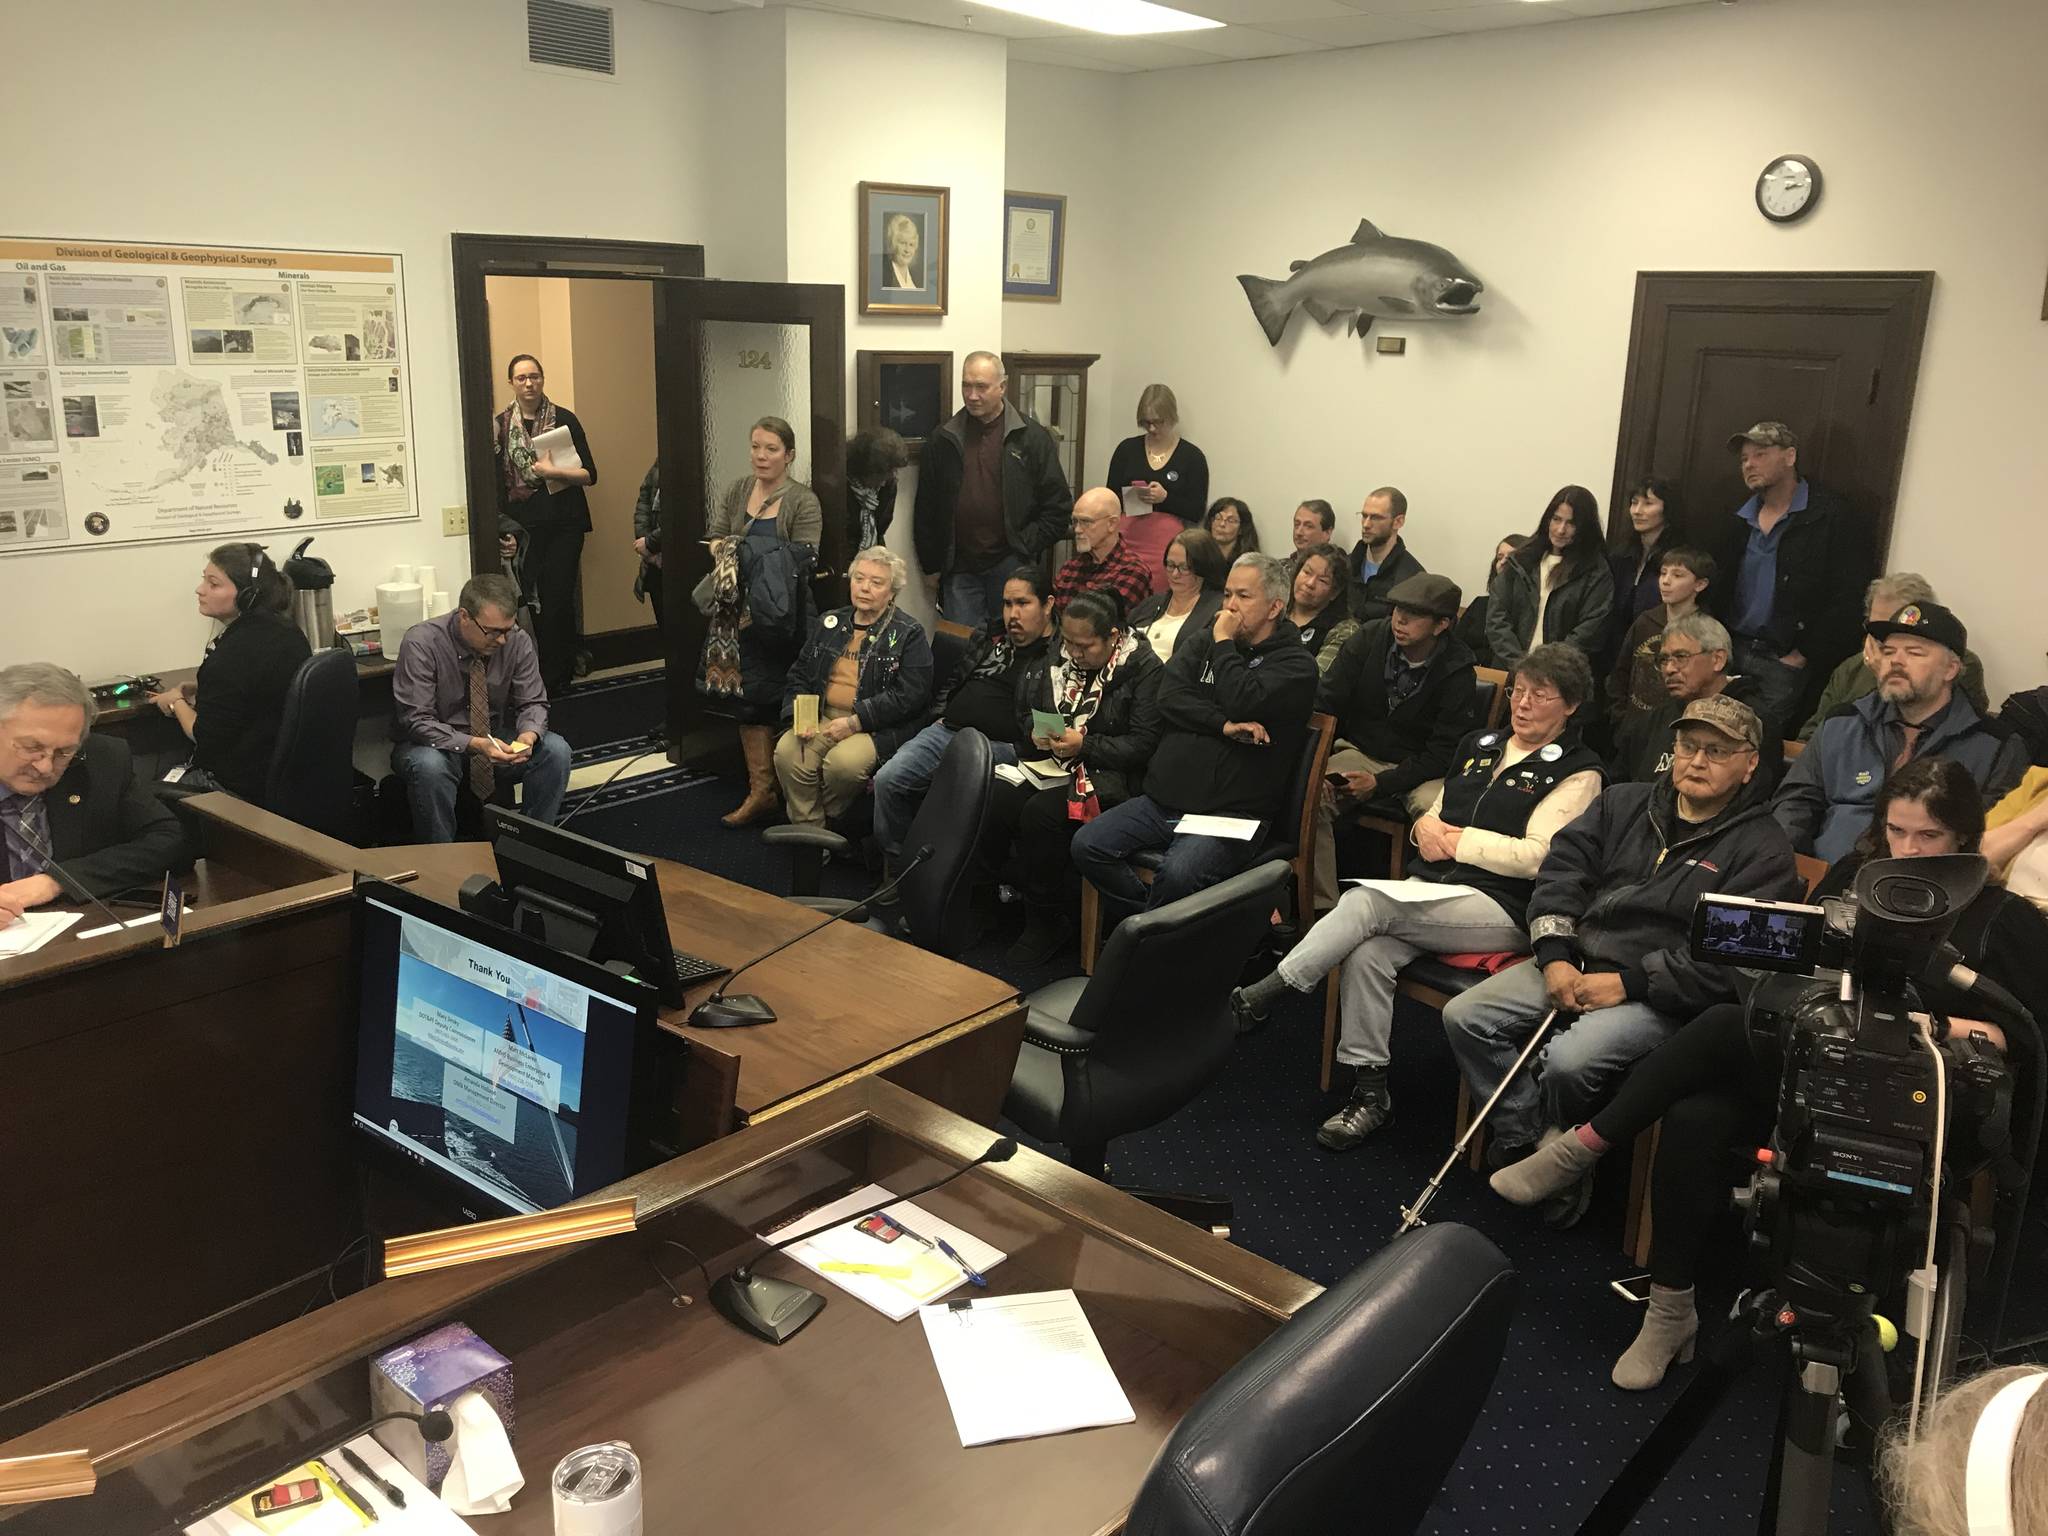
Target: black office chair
[
  {"x": 1121, "y": 1050},
  {"x": 1350, "y": 1416},
  {"x": 933, "y": 903},
  {"x": 312, "y": 769}
]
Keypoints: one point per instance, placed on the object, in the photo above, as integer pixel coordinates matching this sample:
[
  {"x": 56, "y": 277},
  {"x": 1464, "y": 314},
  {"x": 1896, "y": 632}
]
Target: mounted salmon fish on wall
[{"x": 1375, "y": 277}]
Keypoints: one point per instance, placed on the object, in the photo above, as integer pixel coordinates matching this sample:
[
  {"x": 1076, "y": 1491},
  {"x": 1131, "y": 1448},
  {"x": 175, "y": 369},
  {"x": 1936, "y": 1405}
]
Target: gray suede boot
[
  {"x": 1556, "y": 1166},
  {"x": 1668, "y": 1334}
]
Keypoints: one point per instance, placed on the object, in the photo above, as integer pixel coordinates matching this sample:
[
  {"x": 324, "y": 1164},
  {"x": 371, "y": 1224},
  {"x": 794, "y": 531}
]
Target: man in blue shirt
[{"x": 1798, "y": 560}]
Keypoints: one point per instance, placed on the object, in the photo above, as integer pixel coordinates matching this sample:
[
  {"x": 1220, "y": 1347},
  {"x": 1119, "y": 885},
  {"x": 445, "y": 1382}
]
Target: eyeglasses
[
  {"x": 1713, "y": 751},
  {"x": 491, "y": 631},
  {"x": 1153, "y": 421},
  {"x": 1534, "y": 695},
  {"x": 1666, "y": 660},
  {"x": 1171, "y": 567},
  {"x": 1097, "y": 520},
  {"x": 60, "y": 757},
  {"x": 526, "y": 378}
]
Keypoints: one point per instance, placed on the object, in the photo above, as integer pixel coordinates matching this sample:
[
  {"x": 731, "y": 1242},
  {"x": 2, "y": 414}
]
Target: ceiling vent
[{"x": 564, "y": 35}]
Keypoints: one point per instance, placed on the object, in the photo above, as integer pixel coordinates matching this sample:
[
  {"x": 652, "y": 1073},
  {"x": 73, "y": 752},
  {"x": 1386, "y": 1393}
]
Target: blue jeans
[
  {"x": 432, "y": 777},
  {"x": 1102, "y": 850},
  {"x": 975, "y": 598},
  {"x": 900, "y": 783},
  {"x": 1579, "y": 1066},
  {"x": 1779, "y": 688}
]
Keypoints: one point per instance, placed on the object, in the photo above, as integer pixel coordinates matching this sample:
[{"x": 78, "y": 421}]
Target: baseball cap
[
  {"x": 1435, "y": 595},
  {"x": 1929, "y": 619},
  {"x": 1766, "y": 434},
  {"x": 1731, "y": 717}
]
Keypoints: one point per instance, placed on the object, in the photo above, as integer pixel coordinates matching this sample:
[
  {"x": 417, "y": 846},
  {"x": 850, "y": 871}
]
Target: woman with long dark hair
[
  {"x": 1229, "y": 523},
  {"x": 1554, "y": 588},
  {"x": 1654, "y": 525},
  {"x": 1713, "y": 1095}
]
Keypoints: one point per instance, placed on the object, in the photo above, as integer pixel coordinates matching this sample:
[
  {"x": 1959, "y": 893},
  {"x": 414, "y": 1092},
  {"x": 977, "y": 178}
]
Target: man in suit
[{"x": 70, "y": 799}]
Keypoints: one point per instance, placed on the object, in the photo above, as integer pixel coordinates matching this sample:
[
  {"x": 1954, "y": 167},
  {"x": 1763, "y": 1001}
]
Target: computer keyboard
[{"x": 690, "y": 969}]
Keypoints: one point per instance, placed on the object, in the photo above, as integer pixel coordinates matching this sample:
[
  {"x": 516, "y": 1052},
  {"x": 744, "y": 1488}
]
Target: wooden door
[{"x": 1833, "y": 355}]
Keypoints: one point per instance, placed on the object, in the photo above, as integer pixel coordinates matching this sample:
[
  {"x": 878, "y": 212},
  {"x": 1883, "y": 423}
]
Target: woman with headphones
[{"x": 231, "y": 713}]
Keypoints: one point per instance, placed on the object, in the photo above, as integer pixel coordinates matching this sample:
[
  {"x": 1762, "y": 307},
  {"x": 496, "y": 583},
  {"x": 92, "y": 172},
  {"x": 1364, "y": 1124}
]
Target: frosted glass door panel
[{"x": 749, "y": 369}]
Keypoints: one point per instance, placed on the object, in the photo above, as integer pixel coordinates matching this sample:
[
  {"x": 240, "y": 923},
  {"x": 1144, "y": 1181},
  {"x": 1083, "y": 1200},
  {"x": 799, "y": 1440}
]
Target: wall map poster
[{"x": 152, "y": 392}]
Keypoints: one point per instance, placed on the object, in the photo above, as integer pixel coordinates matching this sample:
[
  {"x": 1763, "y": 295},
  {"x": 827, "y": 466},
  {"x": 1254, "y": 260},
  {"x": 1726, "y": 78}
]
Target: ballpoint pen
[
  {"x": 393, "y": 1494},
  {"x": 916, "y": 1237},
  {"x": 966, "y": 1268}
]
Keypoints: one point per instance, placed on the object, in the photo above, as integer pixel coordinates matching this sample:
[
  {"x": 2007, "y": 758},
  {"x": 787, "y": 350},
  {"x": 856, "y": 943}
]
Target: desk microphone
[
  {"x": 776, "y": 1309},
  {"x": 50, "y": 859},
  {"x": 584, "y": 804},
  {"x": 721, "y": 1012},
  {"x": 436, "y": 1424}
]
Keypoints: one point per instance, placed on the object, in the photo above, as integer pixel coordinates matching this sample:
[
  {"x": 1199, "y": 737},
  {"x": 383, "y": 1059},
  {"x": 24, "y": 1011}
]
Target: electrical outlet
[{"x": 454, "y": 521}]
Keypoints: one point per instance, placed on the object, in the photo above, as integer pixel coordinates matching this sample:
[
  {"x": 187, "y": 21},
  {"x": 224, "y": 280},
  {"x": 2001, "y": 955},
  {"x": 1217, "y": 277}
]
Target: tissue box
[{"x": 432, "y": 1372}]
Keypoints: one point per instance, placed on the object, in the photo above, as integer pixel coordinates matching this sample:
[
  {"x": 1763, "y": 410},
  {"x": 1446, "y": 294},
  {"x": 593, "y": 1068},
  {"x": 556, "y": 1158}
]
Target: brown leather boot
[{"x": 763, "y": 794}]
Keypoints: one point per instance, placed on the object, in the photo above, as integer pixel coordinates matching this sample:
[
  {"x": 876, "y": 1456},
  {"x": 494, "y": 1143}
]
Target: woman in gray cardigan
[{"x": 765, "y": 508}]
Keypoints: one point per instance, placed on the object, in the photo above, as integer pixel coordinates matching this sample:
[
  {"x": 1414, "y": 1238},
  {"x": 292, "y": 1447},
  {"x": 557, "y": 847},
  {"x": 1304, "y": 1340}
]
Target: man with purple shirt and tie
[{"x": 471, "y": 708}]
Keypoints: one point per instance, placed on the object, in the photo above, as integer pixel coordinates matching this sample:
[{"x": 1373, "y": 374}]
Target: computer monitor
[
  {"x": 585, "y": 897},
  {"x": 499, "y": 1070}
]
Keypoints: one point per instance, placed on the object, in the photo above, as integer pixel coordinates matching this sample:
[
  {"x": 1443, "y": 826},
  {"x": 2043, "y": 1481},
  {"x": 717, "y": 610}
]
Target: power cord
[{"x": 681, "y": 1300}]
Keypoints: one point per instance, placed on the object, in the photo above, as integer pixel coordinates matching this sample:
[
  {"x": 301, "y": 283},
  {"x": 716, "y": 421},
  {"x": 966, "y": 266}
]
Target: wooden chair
[
  {"x": 1792, "y": 749},
  {"x": 1490, "y": 704},
  {"x": 1292, "y": 839}
]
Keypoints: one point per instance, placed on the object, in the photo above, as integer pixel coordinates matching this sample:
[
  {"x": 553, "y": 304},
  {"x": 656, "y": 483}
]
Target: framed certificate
[{"x": 1034, "y": 245}]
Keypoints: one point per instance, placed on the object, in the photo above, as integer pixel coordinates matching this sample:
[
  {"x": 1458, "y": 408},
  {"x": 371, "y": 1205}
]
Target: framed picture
[
  {"x": 905, "y": 243},
  {"x": 910, "y": 393},
  {"x": 1034, "y": 245}
]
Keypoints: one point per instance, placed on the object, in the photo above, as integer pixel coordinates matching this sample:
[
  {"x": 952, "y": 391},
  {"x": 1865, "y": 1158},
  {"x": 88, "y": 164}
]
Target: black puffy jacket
[{"x": 1123, "y": 733}]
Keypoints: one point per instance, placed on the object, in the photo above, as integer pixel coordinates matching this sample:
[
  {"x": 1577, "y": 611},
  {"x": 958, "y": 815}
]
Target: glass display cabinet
[{"x": 1052, "y": 389}]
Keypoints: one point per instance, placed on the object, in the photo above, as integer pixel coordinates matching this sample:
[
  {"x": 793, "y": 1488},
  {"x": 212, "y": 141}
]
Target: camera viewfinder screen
[{"x": 1759, "y": 935}]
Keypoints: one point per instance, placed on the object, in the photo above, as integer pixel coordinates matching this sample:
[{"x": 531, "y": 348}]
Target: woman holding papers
[
  {"x": 1103, "y": 681},
  {"x": 1158, "y": 471},
  {"x": 764, "y": 545},
  {"x": 541, "y": 476},
  {"x": 1508, "y": 793}
]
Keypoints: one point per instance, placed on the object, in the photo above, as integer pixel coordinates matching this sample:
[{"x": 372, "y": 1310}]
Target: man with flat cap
[
  {"x": 1611, "y": 924},
  {"x": 1794, "y": 560},
  {"x": 1403, "y": 693},
  {"x": 1917, "y": 711}
]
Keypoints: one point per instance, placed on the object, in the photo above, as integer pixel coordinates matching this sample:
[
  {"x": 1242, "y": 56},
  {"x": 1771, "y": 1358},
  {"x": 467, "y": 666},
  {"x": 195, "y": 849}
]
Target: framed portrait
[
  {"x": 1034, "y": 245},
  {"x": 910, "y": 393},
  {"x": 905, "y": 244}
]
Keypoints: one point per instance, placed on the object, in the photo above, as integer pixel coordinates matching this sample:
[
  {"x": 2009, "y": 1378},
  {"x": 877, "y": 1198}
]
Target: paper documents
[
  {"x": 1043, "y": 774},
  {"x": 1018, "y": 1366},
  {"x": 1135, "y": 505},
  {"x": 1421, "y": 892},
  {"x": 1047, "y": 722},
  {"x": 32, "y": 930},
  {"x": 931, "y": 1275},
  {"x": 557, "y": 441},
  {"x": 1243, "y": 828},
  {"x": 423, "y": 1514}
]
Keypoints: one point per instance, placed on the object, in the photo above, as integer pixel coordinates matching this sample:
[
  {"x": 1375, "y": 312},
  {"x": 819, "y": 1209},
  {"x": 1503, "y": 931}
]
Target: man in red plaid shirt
[{"x": 1102, "y": 561}]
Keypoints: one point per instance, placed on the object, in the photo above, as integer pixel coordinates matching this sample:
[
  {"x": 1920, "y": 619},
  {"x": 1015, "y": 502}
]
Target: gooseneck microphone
[
  {"x": 435, "y": 1424},
  {"x": 49, "y": 858},
  {"x": 776, "y": 1309},
  {"x": 721, "y": 1012}
]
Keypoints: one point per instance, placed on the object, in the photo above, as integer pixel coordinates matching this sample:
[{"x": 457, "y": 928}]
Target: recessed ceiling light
[{"x": 1118, "y": 18}]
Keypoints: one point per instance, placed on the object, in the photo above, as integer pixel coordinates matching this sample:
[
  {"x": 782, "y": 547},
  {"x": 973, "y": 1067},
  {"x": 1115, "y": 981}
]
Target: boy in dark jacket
[
  {"x": 1234, "y": 715},
  {"x": 1403, "y": 692},
  {"x": 1610, "y": 919}
]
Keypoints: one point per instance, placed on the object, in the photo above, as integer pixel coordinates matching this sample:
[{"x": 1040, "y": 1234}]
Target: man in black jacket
[
  {"x": 1234, "y": 715},
  {"x": 1692, "y": 658},
  {"x": 990, "y": 497},
  {"x": 1611, "y": 919},
  {"x": 70, "y": 798},
  {"x": 1403, "y": 692},
  {"x": 1794, "y": 560},
  {"x": 1380, "y": 560}
]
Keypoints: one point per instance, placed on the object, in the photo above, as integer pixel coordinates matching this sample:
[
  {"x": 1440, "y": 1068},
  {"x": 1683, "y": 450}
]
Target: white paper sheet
[
  {"x": 557, "y": 441},
  {"x": 423, "y": 1515},
  {"x": 1243, "y": 828},
  {"x": 1421, "y": 892},
  {"x": 895, "y": 1299},
  {"x": 1134, "y": 504},
  {"x": 1031, "y": 775},
  {"x": 1018, "y": 1366},
  {"x": 32, "y": 930}
]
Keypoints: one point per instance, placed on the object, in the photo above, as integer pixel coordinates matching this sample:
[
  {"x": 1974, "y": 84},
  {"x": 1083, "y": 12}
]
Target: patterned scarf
[
  {"x": 1077, "y": 694},
  {"x": 866, "y": 500},
  {"x": 515, "y": 450},
  {"x": 722, "y": 679},
  {"x": 15, "y": 811}
]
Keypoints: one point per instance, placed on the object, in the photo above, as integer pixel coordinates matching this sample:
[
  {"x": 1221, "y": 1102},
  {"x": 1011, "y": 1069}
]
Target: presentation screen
[{"x": 490, "y": 1067}]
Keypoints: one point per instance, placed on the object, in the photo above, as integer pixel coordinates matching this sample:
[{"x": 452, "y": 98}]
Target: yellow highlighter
[{"x": 886, "y": 1271}]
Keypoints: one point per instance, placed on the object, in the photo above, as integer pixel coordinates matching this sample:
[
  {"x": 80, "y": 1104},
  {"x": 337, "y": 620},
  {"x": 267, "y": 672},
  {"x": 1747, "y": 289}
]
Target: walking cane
[{"x": 1411, "y": 1215}]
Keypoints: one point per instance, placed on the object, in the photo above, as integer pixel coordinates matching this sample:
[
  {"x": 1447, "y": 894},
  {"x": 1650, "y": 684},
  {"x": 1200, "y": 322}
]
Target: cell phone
[
  {"x": 1634, "y": 1288},
  {"x": 296, "y": 1494},
  {"x": 1336, "y": 778}
]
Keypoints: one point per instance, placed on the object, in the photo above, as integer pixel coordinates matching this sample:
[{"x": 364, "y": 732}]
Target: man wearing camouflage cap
[
  {"x": 1917, "y": 711},
  {"x": 1611, "y": 920},
  {"x": 1794, "y": 560}
]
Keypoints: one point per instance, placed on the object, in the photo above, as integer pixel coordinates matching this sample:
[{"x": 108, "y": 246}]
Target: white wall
[
  {"x": 944, "y": 128},
  {"x": 1558, "y": 161},
  {"x": 379, "y": 126},
  {"x": 1070, "y": 134}
]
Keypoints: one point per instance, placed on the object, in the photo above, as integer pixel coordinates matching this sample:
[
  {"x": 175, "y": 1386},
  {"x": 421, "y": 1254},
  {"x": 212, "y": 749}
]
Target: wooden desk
[
  {"x": 133, "y": 713},
  {"x": 734, "y": 1434},
  {"x": 177, "y": 1123}
]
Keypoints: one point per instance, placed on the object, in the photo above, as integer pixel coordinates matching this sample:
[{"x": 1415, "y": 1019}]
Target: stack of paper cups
[
  {"x": 442, "y": 604},
  {"x": 401, "y": 574},
  {"x": 400, "y": 605},
  {"x": 424, "y": 575}
]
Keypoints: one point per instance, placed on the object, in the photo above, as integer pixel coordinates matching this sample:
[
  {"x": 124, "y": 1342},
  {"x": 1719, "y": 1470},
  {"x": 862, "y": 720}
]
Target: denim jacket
[{"x": 894, "y": 693}]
